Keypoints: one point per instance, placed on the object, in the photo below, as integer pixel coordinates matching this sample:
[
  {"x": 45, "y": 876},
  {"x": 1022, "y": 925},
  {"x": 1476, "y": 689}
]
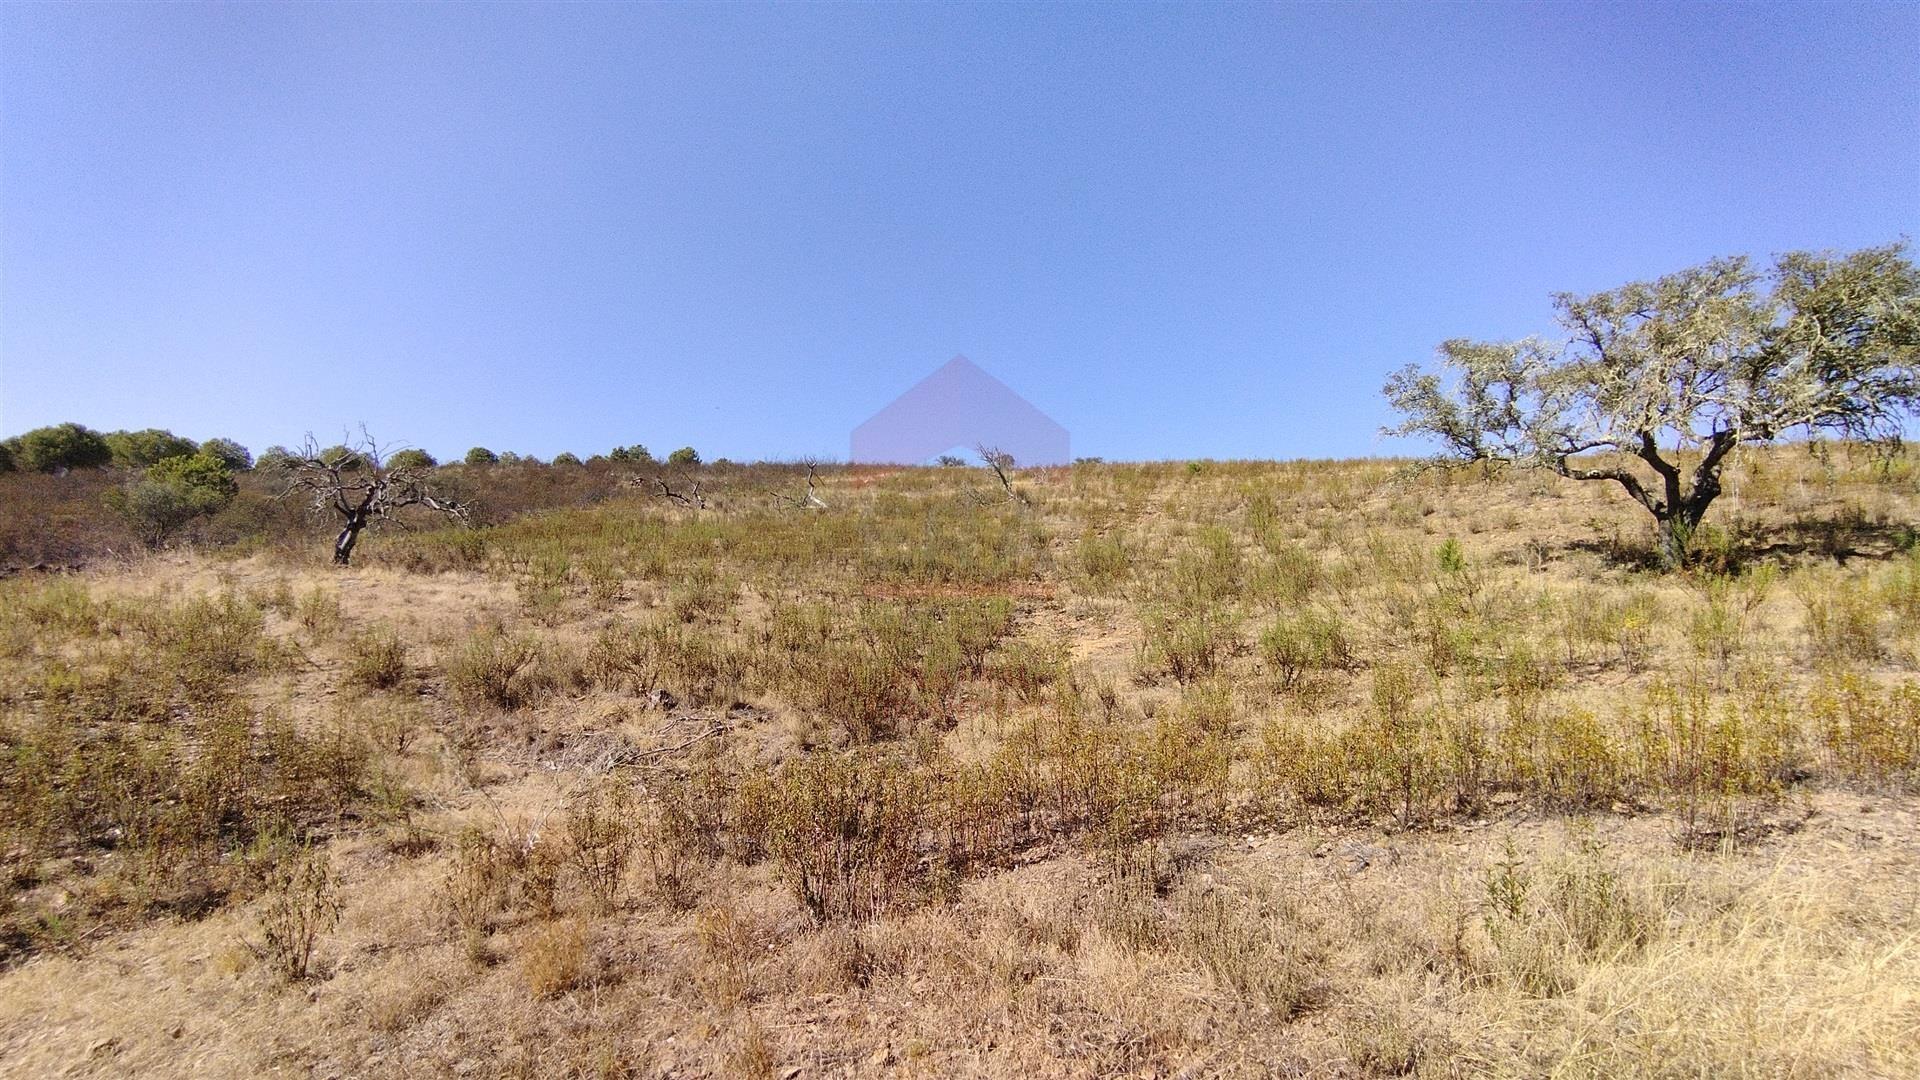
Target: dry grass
[{"x": 1222, "y": 769}]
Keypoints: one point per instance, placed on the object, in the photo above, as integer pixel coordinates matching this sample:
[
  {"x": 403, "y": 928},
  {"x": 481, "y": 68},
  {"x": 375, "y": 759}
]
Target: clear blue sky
[{"x": 1183, "y": 231}]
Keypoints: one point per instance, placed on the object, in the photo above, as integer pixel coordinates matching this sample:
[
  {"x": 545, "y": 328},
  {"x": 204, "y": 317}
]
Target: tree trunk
[
  {"x": 343, "y": 545},
  {"x": 1670, "y": 540},
  {"x": 1674, "y": 529}
]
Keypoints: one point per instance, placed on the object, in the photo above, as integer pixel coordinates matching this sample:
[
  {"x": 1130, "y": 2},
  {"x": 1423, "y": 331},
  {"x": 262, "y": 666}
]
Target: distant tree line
[
  {"x": 60, "y": 448},
  {"x": 172, "y": 481}
]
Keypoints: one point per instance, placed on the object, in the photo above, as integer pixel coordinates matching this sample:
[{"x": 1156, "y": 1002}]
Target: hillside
[{"x": 1245, "y": 769}]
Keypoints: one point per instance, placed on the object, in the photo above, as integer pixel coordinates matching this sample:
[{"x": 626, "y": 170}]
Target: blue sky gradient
[{"x": 1182, "y": 231}]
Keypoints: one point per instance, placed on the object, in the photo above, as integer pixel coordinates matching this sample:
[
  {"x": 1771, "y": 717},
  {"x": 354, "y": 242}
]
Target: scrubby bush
[
  {"x": 172, "y": 493},
  {"x": 377, "y": 660},
  {"x": 139, "y": 449},
  {"x": 411, "y": 458},
  {"x": 234, "y": 455},
  {"x": 1104, "y": 559},
  {"x": 686, "y": 457},
  {"x": 842, "y": 828},
  {"x": 302, "y": 903},
  {"x": 500, "y": 669},
  {"x": 343, "y": 457},
  {"x": 480, "y": 455},
  {"x": 62, "y": 446},
  {"x": 600, "y": 840},
  {"x": 1305, "y": 642}
]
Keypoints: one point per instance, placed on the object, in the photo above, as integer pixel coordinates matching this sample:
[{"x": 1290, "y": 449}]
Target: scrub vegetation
[{"x": 1337, "y": 768}]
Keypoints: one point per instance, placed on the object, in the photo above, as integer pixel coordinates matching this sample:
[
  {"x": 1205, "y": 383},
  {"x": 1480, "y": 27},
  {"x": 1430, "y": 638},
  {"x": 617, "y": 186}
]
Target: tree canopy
[
  {"x": 411, "y": 458},
  {"x": 229, "y": 451},
  {"x": 139, "y": 449},
  {"x": 61, "y": 446},
  {"x": 172, "y": 492}
]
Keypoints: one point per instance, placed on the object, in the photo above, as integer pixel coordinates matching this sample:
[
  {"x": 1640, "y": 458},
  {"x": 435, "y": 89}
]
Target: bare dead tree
[
  {"x": 688, "y": 495},
  {"x": 1001, "y": 463},
  {"x": 354, "y": 482},
  {"x": 809, "y": 501}
]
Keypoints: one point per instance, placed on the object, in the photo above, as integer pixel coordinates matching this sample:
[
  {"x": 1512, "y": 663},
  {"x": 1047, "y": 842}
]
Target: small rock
[{"x": 661, "y": 699}]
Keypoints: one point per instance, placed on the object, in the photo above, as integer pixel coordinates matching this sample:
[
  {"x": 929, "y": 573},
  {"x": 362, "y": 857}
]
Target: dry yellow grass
[{"x": 1227, "y": 769}]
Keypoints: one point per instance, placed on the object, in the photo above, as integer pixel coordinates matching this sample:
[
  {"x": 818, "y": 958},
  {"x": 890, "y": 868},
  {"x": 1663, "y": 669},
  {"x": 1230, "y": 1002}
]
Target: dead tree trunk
[{"x": 356, "y": 519}]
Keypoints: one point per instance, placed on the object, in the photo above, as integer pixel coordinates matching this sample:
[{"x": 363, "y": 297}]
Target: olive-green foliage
[
  {"x": 411, "y": 458},
  {"x": 1305, "y": 642},
  {"x": 236, "y": 456},
  {"x": 1193, "y": 618},
  {"x": 480, "y": 455},
  {"x": 1823, "y": 331},
  {"x": 1104, "y": 559},
  {"x": 904, "y": 539},
  {"x": 139, "y": 449},
  {"x": 172, "y": 493},
  {"x": 685, "y": 457},
  {"x": 344, "y": 457},
  {"x": 62, "y": 446},
  {"x": 890, "y": 663}
]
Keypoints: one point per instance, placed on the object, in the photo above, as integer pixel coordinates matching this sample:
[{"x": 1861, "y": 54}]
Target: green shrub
[
  {"x": 140, "y": 449},
  {"x": 411, "y": 458},
  {"x": 62, "y": 446},
  {"x": 1104, "y": 559},
  {"x": 172, "y": 493},
  {"x": 229, "y": 452}
]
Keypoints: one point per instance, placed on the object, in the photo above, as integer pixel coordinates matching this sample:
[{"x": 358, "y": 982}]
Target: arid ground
[{"x": 1313, "y": 768}]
